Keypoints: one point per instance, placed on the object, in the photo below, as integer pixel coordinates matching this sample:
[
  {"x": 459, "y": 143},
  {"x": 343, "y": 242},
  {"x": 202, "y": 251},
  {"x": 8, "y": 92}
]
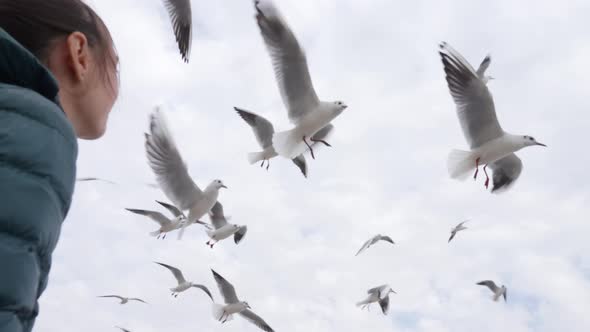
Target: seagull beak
[
  {"x": 541, "y": 144},
  {"x": 223, "y": 186}
]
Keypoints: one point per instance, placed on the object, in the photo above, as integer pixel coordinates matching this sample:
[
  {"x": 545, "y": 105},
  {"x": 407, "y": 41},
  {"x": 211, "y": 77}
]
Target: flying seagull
[
  {"x": 221, "y": 228},
  {"x": 166, "y": 224},
  {"x": 181, "y": 19},
  {"x": 305, "y": 110},
  {"x": 490, "y": 145},
  {"x": 378, "y": 294},
  {"x": 456, "y": 229},
  {"x": 374, "y": 240},
  {"x": 172, "y": 173},
  {"x": 124, "y": 299},
  {"x": 182, "y": 283},
  {"x": 498, "y": 291},
  {"x": 123, "y": 329},
  {"x": 85, "y": 179},
  {"x": 224, "y": 313},
  {"x": 264, "y": 130}
]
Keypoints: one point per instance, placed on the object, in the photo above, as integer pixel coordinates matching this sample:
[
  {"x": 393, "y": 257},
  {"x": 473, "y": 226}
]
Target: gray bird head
[{"x": 246, "y": 304}]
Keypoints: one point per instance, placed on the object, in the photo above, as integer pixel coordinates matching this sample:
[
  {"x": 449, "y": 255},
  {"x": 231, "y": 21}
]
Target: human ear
[{"x": 78, "y": 54}]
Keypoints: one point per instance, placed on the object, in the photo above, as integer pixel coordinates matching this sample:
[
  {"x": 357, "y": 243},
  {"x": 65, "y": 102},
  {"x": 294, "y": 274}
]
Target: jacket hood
[{"x": 20, "y": 67}]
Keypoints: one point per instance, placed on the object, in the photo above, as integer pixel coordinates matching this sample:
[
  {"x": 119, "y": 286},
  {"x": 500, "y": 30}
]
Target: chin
[{"x": 93, "y": 133}]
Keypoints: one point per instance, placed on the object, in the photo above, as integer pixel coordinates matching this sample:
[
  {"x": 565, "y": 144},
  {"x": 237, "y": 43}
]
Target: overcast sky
[{"x": 386, "y": 173}]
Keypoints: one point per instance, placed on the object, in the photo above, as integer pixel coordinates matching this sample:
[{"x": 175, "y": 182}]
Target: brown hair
[{"x": 35, "y": 24}]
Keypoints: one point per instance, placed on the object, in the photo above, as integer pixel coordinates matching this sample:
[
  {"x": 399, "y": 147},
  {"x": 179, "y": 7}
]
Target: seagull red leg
[
  {"x": 476, "y": 168},
  {"x": 487, "y": 177}
]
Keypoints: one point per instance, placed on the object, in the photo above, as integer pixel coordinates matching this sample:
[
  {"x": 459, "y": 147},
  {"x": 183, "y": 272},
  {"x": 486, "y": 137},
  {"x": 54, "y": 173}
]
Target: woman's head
[{"x": 71, "y": 40}]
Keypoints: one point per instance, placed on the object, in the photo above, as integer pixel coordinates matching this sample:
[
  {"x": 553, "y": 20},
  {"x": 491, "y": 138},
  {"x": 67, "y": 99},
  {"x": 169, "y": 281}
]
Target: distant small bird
[
  {"x": 456, "y": 229},
  {"x": 86, "y": 179},
  {"x": 182, "y": 283},
  {"x": 233, "y": 305},
  {"x": 181, "y": 17},
  {"x": 378, "y": 294},
  {"x": 489, "y": 144},
  {"x": 123, "y": 329},
  {"x": 221, "y": 228},
  {"x": 374, "y": 240},
  {"x": 498, "y": 291},
  {"x": 166, "y": 224},
  {"x": 124, "y": 299},
  {"x": 306, "y": 111}
]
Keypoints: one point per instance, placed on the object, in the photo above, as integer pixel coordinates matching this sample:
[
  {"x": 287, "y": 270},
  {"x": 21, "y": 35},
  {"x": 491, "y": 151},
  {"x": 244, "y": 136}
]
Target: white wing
[
  {"x": 217, "y": 217},
  {"x": 300, "y": 162},
  {"x": 84, "y": 179},
  {"x": 204, "y": 289},
  {"x": 225, "y": 288},
  {"x": 289, "y": 63},
  {"x": 172, "y": 209},
  {"x": 239, "y": 235},
  {"x": 475, "y": 106},
  {"x": 166, "y": 162},
  {"x": 175, "y": 271},
  {"x": 263, "y": 129},
  {"x": 384, "y": 304},
  {"x": 381, "y": 290},
  {"x": 115, "y": 296},
  {"x": 158, "y": 217},
  {"x": 181, "y": 17},
  {"x": 256, "y": 320},
  {"x": 366, "y": 245},
  {"x": 506, "y": 172},
  {"x": 490, "y": 284},
  {"x": 137, "y": 299},
  {"x": 483, "y": 66}
]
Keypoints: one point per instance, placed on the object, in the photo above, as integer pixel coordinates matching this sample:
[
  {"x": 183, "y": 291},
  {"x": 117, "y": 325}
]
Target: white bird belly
[
  {"x": 313, "y": 122},
  {"x": 181, "y": 288},
  {"x": 494, "y": 150},
  {"x": 203, "y": 206},
  {"x": 233, "y": 308},
  {"x": 222, "y": 233},
  {"x": 269, "y": 153}
]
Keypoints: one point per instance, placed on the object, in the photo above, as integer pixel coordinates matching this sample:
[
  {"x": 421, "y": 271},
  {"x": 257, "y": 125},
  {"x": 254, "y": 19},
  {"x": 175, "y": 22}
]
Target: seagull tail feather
[
  {"x": 254, "y": 157},
  {"x": 361, "y": 303},
  {"x": 460, "y": 163},
  {"x": 155, "y": 233},
  {"x": 217, "y": 311}
]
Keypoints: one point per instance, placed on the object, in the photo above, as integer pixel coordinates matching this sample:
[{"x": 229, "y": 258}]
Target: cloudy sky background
[{"x": 386, "y": 173}]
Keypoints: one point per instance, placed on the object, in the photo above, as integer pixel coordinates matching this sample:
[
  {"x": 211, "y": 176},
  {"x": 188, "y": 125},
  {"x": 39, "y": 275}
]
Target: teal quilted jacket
[{"x": 38, "y": 151}]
